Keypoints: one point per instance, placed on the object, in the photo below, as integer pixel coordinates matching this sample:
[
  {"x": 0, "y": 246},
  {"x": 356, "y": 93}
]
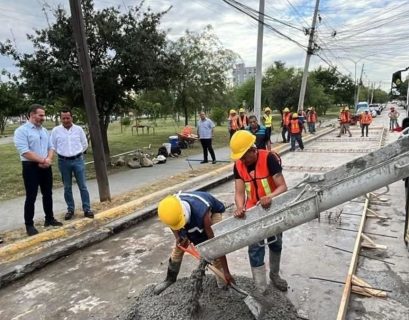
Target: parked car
[{"x": 375, "y": 107}]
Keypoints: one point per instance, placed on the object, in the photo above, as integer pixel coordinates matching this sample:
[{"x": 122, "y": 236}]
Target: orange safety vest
[
  {"x": 366, "y": 118},
  {"x": 295, "y": 126},
  {"x": 234, "y": 125},
  {"x": 287, "y": 118},
  {"x": 258, "y": 183},
  {"x": 312, "y": 117},
  {"x": 345, "y": 117},
  {"x": 243, "y": 121}
]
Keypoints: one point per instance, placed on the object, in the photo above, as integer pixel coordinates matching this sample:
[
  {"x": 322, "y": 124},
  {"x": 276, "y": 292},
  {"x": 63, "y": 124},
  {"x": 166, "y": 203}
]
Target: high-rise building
[{"x": 241, "y": 73}]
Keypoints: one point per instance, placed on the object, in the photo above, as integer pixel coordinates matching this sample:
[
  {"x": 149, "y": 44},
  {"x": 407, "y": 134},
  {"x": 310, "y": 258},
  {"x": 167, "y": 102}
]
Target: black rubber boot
[{"x": 173, "y": 271}]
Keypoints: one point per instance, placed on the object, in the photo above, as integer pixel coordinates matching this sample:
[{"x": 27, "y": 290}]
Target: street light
[{"x": 355, "y": 83}]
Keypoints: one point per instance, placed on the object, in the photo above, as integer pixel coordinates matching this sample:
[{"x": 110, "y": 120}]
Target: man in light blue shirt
[
  {"x": 205, "y": 132},
  {"x": 33, "y": 144}
]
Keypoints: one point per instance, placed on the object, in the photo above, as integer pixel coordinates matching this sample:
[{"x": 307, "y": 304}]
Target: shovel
[{"x": 255, "y": 307}]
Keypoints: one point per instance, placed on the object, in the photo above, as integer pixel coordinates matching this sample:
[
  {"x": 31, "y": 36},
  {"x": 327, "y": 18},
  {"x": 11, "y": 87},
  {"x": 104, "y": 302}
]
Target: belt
[{"x": 70, "y": 158}]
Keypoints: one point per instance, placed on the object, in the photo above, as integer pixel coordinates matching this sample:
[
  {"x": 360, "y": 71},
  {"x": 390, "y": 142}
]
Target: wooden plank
[{"x": 343, "y": 307}]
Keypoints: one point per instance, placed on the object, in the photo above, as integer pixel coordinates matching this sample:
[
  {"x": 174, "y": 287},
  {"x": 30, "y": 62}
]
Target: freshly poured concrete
[{"x": 103, "y": 281}]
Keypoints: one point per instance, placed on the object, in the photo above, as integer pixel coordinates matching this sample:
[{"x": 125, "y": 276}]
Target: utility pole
[
  {"x": 259, "y": 62},
  {"x": 359, "y": 86},
  {"x": 310, "y": 52},
  {"x": 89, "y": 100}
]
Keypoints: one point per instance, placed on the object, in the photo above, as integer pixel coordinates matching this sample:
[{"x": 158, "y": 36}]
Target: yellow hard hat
[
  {"x": 242, "y": 110},
  {"x": 240, "y": 142},
  {"x": 346, "y": 108},
  {"x": 232, "y": 111},
  {"x": 170, "y": 212},
  {"x": 267, "y": 109},
  {"x": 295, "y": 115},
  {"x": 286, "y": 110}
]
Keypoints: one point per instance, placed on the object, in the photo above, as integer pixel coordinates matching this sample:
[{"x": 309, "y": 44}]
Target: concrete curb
[{"x": 124, "y": 218}]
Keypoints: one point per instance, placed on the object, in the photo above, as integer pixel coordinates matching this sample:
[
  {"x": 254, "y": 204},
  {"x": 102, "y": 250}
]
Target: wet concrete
[
  {"x": 215, "y": 303},
  {"x": 102, "y": 281}
]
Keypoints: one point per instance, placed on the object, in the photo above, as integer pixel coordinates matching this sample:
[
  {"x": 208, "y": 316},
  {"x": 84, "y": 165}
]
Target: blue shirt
[
  {"x": 200, "y": 203},
  {"x": 262, "y": 136},
  {"x": 205, "y": 128},
  {"x": 29, "y": 137}
]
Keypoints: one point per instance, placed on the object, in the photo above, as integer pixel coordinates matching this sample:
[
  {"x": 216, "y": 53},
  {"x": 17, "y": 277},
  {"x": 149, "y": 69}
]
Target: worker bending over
[
  {"x": 190, "y": 216},
  {"x": 258, "y": 179}
]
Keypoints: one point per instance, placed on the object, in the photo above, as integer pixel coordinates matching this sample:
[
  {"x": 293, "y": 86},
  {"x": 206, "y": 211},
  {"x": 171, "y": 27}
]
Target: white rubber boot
[{"x": 260, "y": 278}]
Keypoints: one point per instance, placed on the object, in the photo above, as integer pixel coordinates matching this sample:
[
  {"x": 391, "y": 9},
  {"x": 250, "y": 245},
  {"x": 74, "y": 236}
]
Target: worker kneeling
[
  {"x": 258, "y": 179},
  {"x": 190, "y": 216}
]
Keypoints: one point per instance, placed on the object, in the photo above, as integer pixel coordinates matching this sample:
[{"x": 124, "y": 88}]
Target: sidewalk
[{"x": 11, "y": 215}]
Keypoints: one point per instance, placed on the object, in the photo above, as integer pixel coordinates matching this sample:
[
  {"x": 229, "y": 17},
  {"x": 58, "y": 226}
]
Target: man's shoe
[
  {"x": 53, "y": 223},
  {"x": 350, "y": 135},
  {"x": 69, "y": 215},
  {"x": 31, "y": 231},
  {"x": 204, "y": 161},
  {"x": 1, "y": 240},
  {"x": 214, "y": 162},
  {"x": 89, "y": 214},
  {"x": 338, "y": 136}
]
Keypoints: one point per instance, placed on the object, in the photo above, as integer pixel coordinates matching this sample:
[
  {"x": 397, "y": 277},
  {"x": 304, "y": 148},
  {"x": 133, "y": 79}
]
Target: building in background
[{"x": 241, "y": 73}]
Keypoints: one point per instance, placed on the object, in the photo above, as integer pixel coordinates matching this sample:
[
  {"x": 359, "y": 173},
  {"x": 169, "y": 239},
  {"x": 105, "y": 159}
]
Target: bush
[{"x": 126, "y": 121}]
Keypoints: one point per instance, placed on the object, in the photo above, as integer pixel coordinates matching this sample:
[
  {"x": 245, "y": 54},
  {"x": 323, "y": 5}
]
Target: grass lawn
[{"x": 11, "y": 181}]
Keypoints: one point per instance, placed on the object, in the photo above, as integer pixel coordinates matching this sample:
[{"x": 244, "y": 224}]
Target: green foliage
[
  {"x": 12, "y": 103},
  {"x": 201, "y": 79},
  {"x": 218, "y": 115},
  {"x": 126, "y": 121},
  {"x": 128, "y": 53}
]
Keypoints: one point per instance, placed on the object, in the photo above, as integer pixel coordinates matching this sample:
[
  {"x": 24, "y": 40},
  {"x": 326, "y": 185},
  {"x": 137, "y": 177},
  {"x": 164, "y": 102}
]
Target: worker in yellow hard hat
[
  {"x": 285, "y": 122},
  {"x": 243, "y": 119},
  {"x": 267, "y": 120},
  {"x": 190, "y": 216},
  {"x": 296, "y": 127},
  {"x": 233, "y": 122},
  {"x": 258, "y": 179},
  {"x": 345, "y": 119}
]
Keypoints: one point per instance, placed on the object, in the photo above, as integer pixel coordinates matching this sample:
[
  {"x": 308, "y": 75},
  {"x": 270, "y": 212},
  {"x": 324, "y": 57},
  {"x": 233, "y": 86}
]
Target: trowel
[{"x": 256, "y": 308}]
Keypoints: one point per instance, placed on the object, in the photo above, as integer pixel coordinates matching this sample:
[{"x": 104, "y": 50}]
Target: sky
[{"x": 349, "y": 32}]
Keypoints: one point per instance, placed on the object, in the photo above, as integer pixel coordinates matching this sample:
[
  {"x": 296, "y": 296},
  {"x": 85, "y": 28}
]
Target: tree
[
  {"x": 11, "y": 103},
  {"x": 128, "y": 54},
  {"x": 201, "y": 79}
]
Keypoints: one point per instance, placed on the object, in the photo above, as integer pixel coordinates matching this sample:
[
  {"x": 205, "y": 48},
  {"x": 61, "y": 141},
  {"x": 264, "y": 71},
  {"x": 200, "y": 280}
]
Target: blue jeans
[
  {"x": 257, "y": 251},
  {"x": 67, "y": 169}
]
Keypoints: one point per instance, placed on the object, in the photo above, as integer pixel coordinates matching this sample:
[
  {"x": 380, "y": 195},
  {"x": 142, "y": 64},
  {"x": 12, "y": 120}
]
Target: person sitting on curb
[
  {"x": 296, "y": 126},
  {"x": 258, "y": 179},
  {"x": 345, "y": 119},
  {"x": 190, "y": 216}
]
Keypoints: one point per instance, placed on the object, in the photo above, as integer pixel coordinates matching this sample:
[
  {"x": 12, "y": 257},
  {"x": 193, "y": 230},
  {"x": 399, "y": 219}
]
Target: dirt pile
[{"x": 215, "y": 303}]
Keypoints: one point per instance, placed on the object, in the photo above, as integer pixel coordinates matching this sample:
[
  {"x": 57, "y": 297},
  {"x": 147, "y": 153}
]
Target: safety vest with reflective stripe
[
  {"x": 243, "y": 121},
  {"x": 286, "y": 118},
  {"x": 366, "y": 118},
  {"x": 258, "y": 183},
  {"x": 268, "y": 119},
  {"x": 234, "y": 123},
  {"x": 312, "y": 117},
  {"x": 295, "y": 126},
  {"x": 345, "y": 117}
]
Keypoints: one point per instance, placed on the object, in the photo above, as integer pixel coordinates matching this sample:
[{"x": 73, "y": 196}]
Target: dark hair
[
  {"x": 35, "y": 107},
  {"x": 66, "y": 110},
  {"x": 252, "y": 117}
]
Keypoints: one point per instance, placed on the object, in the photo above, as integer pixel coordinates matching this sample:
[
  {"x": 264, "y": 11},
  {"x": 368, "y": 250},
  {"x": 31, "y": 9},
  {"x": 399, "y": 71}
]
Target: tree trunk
[
  {"x": 103, "y": 124},
  {"x": 184, "y": 106},
  {"x": 3, "y": 123}
]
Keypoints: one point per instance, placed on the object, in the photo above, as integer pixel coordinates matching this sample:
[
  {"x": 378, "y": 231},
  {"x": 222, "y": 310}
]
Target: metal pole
[
  {"x": 89, "y": 100},
  {"x": 355, "y": 83},
  {"x": 359, "y": 84},
  {"x": 407, "y": 100},
  {"x": 259, "y": 62},
  {"x": 310, "y": 51}
]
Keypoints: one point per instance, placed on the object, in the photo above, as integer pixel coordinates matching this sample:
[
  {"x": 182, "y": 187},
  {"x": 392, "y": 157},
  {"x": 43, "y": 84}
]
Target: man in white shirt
[
  {"x": 205, "y": 133},
  {"x": 69, "y": 142}
]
